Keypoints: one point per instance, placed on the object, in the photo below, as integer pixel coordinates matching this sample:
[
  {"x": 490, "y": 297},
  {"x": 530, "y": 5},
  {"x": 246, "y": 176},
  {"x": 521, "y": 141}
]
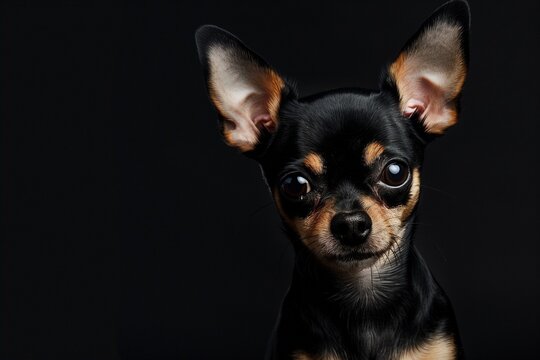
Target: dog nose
[{"x": 351, "y": 228}]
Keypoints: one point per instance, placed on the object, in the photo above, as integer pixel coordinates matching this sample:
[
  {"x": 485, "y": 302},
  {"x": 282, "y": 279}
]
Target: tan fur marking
[
  {"x": 439, "y": 129},
  {"x": 242, "y": 146},
  {"x": 397, "y": 72},
  {"x": 314, "y": 230},
  {"x": 385, "y": 224},
  {"x": 304, "y": 356},
  {"x": 433, "y": 54},
  {"x": 388, "y": 222},
  {"x": 314, "y": 162},
  {"x": 414, "y": 194},
  {"x": 372, "y": 152},
  {"x": 273, "y": 85},
  {"x": 440, "y": 348},
  {"x": 236, "y": 107}
]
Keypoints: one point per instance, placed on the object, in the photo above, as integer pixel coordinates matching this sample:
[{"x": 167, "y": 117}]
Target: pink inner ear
[
  {"x": 413, "y": 106},
  {"x": 266, "y": 121}
]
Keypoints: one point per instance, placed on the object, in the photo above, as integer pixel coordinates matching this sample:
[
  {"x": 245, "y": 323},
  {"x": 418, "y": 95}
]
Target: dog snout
[{"x": 351, "y": 228}]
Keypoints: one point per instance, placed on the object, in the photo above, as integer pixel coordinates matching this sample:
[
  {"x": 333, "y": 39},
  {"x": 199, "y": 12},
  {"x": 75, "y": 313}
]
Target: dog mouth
[
  {"x": 359, "y": 254},
  {"x": 352, "y": 256}
]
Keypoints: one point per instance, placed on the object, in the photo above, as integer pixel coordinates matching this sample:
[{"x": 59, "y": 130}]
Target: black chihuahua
[{"x": 343, "y": 167}]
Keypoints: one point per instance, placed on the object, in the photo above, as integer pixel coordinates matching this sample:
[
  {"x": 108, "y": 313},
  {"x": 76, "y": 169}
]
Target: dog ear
[
  {"x": 243, "y": 88},
  {"x": 430, "y": 71}
]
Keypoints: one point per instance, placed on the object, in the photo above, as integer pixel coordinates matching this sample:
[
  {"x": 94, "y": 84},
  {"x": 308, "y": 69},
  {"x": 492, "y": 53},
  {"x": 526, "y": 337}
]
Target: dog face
[
  {"x": 345, "y": 174},
  {"x": 343, "y": 166}
]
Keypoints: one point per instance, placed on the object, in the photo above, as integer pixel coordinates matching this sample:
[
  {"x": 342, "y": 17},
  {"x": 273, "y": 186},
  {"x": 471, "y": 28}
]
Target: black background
[{"x": 130, "y": 231}]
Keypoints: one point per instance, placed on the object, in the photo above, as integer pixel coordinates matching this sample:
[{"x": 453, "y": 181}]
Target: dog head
[{"x": 343, "y": 166}]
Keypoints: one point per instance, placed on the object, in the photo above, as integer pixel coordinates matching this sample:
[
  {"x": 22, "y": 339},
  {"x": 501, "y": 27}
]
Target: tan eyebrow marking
[
  {"x": 372, "y": 152},
  {"x": 315, "y": 163},
  {"x": 414, "y": 194}
]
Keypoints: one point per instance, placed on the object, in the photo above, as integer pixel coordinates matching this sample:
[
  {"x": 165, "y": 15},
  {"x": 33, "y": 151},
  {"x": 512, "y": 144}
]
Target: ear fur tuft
[
  {"x": 430, "y": 71},
  {"x": 245, "y": 90}
]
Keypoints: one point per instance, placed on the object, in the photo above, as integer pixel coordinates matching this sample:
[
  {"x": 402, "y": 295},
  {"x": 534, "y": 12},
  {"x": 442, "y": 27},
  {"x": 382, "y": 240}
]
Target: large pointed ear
[
  {"x": 243, "y": 88},
  {"x": 430, "y": 70}
]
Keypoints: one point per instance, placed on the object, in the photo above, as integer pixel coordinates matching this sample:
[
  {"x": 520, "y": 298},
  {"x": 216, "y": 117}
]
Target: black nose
[{"x": 351, "y": 228}]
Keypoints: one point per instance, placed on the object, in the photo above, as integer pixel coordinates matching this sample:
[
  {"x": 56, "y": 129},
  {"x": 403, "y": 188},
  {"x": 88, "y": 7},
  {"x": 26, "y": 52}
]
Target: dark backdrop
[{"x": 129, "y": 231}]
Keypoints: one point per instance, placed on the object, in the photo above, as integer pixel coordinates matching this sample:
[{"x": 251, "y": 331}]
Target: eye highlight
[
  {"x": 395, "y": 173},
  {"x": 295, "y": 186}
]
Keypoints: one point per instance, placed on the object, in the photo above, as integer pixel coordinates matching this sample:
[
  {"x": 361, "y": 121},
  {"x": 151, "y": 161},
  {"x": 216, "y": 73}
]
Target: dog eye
[
  {"x": 295, "y": 186},
  {"x": 395, "y": 174}
]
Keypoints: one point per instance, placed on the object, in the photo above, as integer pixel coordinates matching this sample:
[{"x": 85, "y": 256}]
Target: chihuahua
[{"x": 344, "y": 170}]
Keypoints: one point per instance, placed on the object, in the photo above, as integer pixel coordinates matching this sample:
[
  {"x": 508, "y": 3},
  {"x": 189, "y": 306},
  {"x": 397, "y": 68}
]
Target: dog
[{"x": 344, "y": 170}]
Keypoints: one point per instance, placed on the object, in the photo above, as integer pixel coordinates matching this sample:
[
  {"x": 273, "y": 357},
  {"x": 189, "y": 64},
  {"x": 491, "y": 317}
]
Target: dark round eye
[
  {"x": 295, "y": 186},
  {"x": 395, "y": 173}
]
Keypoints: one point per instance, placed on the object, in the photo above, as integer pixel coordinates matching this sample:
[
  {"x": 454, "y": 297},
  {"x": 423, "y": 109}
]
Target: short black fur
[{"x": 325, "y": 314}]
